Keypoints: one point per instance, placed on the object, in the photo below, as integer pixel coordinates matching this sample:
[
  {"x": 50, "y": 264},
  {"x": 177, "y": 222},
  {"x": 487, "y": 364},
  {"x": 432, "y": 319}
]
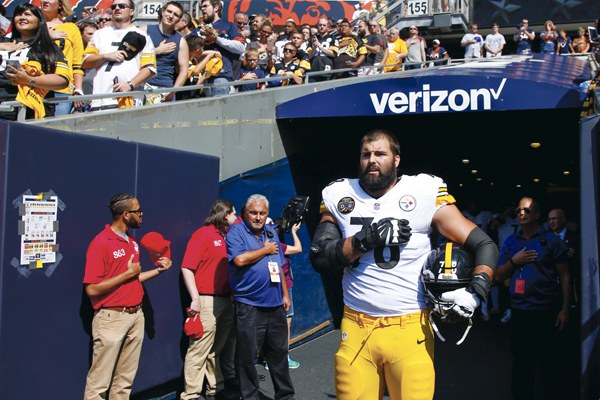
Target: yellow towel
[
  {"x": 31, "y": 96},
  {"x": 125, "y": 102}
]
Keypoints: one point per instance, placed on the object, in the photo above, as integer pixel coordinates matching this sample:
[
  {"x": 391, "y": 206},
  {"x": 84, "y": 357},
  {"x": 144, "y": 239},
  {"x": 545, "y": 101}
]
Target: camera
[{"x": 293, "y": 212}]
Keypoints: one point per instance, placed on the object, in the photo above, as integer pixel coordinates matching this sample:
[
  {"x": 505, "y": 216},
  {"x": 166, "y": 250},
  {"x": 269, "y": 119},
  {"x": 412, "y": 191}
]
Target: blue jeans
[
  {"x": 219, "y": 91},
  {"x": 62, "y": 108}
]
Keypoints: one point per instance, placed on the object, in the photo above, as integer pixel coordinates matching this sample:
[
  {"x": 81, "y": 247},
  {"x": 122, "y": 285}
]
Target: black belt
[{"x": 128, "y": 310}]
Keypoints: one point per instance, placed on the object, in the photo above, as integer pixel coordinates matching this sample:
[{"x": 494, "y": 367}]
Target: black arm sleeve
[
  {"x": 485, "y": 252},
  {"x": 327, "y": 249}
]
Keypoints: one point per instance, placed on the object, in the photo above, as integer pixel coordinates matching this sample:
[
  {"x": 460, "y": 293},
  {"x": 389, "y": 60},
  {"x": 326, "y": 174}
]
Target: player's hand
[
  {"x": 194, "y": 308},
  {"x": 116, "y": 56},
  {"x": 164, "y": 264},
  {"x": 524, "y": 256},
  {"x": 135, "y": 268},
  {"x": 272, "y": 247},
  {"x": 465, "y": 303},
  {"x": 563, "y": 319},
  {"x": 387, "y": 232}
]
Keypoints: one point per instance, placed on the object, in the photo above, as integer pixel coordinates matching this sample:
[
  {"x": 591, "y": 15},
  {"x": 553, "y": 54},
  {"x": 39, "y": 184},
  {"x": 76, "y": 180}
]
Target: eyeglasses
[
  {"x": 519, "y": 209},
  {"x": 251, "y": 59},
  {"x": 138, "y": 211},
  {"x": 288, "y": 50},
  {"x": 122, "y": 6},
  {"x": 103, "y": 19}
]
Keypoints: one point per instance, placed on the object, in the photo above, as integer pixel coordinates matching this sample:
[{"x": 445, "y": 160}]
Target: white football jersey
[
  {"x": 510, "y": 226},
  {"x": 385, "y": 281}
]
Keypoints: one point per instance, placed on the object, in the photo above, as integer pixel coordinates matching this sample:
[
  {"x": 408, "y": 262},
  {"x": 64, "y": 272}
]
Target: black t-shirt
[
  {"x": 320, "y": 61},
  {"x": 371, "y": 40}
]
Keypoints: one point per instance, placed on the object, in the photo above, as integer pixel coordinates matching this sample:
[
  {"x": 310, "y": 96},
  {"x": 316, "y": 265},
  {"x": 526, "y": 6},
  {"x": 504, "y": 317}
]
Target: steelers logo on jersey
[
  {"x": 346, "y": 205},
  {"x": 407, "y": 203}
]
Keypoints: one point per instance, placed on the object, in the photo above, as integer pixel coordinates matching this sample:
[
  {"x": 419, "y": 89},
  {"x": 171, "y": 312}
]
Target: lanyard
[{"x": 261, "y": 245}]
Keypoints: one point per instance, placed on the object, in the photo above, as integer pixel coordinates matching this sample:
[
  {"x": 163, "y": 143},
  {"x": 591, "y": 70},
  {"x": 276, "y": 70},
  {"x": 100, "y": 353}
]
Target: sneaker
[
  {"x": 506, "y": 317},
  {"x": 266, "y": 366},
  {"x": 292, "y": 364}
]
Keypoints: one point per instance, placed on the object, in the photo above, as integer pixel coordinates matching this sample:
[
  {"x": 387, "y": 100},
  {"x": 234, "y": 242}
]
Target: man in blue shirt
[
  {"x": 535, "y": 260},
  {"x": 260, "y": 299},
  {"x": 524, "y": 37}
]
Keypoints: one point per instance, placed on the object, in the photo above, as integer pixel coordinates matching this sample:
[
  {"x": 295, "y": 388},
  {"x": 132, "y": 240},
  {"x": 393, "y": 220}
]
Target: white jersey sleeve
[{"x": 385, "y": 281}]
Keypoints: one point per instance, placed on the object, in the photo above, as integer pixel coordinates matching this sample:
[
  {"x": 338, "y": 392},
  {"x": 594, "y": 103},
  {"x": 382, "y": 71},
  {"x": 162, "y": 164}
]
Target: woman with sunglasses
[
  {"x": 581, "y": 44},
  {"x": 265, "y": 46},
  {"x": 67, "y": 37},
  {"x": 33, "y": 70},
  {"x": 549, "y": 37}
]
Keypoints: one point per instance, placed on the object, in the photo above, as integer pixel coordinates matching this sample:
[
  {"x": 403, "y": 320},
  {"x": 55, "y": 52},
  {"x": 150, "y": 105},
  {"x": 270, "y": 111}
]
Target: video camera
[{"x": 293, "y": 213}]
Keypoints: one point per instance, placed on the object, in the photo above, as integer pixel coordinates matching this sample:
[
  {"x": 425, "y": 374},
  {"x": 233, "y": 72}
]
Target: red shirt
[
  {"x": 107, "y": 257},
  {"x": 206, "y": 254}
]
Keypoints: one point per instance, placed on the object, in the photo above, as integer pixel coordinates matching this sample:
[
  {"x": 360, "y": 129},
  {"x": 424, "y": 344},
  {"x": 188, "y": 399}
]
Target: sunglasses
[
  {"x": 122, "y": 6},
  {"x": 412, "y": 29},
  {"x": 519, "y": 209},
  {"x": 266, "y": 32},
  {"x": 104, "y": 20},
  {"x": 288, "y": 50},
  {"x": 239, "y": 23}
]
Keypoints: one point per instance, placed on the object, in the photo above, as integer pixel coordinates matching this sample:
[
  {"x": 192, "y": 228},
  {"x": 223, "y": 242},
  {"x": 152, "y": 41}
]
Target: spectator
[
  {"x": 322, "y": 50},
  {"x": 67, "y": 37},
  {"x": 351, "y": 51},
  {"x": 228, "y": 41},
  {"x": 241, "y": 21},
  {"x": 494, "y": 42},
  {"x": 437, "y": 53},
  {"x": 374, "y": 47},
  {"x": 397, "y": 51},
  {"x": 306, "y": 33},
  {"x": 287, "y": 66},
  {"x": 185, "y": 25},
  {"x": 524, "y": 37},
  {"x": 564, "y": 43},
  {"x": 205, "y": 273},
  {"x": 104, "y": 21},
  {"x": 301, "y": 54},
  {"x": 172, "y": 53},
  {"x": 114, "y": 73},
  {"x": 84, "y": 14},
  {"x": 255, "y": 25},
  {"x": 290, "y": 26},
  {"x": 375, "y": 30},
  {"x": 251, "y": 71},
  {"x": 377, "y": 7},
  {"x": 298, "y": 39},
  {"x": 46, "y": 68},
  {"x": 384, "y": 30},
  {"x": 260, "y": 299},
  {"x": 548, "y": 37},
  {"x": 113, "y": 281},
  {"x": 536, "y": 263},
  {"x": 361, "y": 11},
  {"x": 416, "y": 49},
  {"x": 581, "y": 44},
  {"x": 557, "y": 222},
  {"x": 265, "y": 47},
  {"x": 473, "y": 42},
  {"x": 199, "y": 59},
  {"x": 87, "y": 29}
]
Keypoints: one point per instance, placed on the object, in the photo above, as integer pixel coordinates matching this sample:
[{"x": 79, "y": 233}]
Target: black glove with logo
[{"x": 387, "y": 232}]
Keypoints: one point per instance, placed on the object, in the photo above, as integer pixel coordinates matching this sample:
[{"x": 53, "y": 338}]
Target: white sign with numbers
[
  {"x": 417, "y": 7},
  {"x": 148, "y": 10}
]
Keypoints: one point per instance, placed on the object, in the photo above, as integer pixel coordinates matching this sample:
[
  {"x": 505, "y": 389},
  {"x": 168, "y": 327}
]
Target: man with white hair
[{"x": 261, "y": 299}]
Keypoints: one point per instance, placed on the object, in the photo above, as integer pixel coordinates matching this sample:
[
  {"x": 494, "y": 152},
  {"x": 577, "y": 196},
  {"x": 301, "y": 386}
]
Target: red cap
[
  {"x": 157, "y": 246},
  {"x": 193, "y": 327}
]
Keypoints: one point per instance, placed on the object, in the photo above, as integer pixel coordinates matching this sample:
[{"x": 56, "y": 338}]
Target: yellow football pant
[{"x": 393, "y": 351}]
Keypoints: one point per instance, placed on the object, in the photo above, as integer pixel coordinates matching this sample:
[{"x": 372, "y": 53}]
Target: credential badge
[
  {"x": 407, "y": 203},
  {"x": 346, "y": 205}
]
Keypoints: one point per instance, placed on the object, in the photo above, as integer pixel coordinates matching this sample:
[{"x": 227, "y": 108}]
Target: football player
[{"x": 376, "y": 229}]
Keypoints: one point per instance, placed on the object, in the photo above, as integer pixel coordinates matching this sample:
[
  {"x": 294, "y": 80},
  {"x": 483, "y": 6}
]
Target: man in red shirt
[
  {"x": 206, "y": 275},
  {"x": 113, "y": 281}
]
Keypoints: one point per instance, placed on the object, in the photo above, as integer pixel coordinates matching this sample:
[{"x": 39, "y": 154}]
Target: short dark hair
[
  {"x": 87, "y": 24},
  {"x": 171, "y": 3},
  {"x": 378, "y": 134},
  {"x": 194, "y": 42},
  {"x": 217, "y": 214},
  {"x": 495, "y": 24},
  {"x": 215, "y": 3},
  {"x": 119, "y": 203}
]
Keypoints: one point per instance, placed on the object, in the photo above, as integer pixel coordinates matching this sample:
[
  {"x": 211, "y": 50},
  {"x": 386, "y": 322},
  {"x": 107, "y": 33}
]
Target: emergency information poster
[{"x": 38, "y": 235}]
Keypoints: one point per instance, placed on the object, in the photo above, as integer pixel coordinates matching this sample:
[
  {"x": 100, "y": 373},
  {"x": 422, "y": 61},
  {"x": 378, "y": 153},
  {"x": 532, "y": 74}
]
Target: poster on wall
[{"x": 38, "y": 235}]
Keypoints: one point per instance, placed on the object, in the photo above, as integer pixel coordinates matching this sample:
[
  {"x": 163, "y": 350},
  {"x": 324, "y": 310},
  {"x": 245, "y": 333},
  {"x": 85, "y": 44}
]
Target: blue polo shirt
[
  {"x": 542, "y": 285},
  {"x": 252, "y": 284}
]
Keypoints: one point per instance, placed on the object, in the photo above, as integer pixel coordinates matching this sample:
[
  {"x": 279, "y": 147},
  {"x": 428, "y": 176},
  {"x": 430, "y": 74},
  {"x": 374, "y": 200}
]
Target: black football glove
[{"x": 387, "y": 232}]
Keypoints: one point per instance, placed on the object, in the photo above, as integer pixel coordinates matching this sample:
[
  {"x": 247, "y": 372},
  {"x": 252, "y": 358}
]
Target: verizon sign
[{"x": 428, "y": 100}]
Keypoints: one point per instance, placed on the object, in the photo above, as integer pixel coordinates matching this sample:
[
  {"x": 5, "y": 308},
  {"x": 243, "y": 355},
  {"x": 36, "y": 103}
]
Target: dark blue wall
[{"x": 46, "y": 321}]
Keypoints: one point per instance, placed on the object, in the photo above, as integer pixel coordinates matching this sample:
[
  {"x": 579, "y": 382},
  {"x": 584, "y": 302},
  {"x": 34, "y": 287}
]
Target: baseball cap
[
  {"x": 436, "y": 41},
  {"x": 157, "y": 246},
  {"x": 193, "y": 327}
]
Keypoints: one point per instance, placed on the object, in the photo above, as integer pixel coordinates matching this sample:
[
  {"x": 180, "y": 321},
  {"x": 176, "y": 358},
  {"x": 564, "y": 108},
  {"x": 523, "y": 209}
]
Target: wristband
[
  {"x": 514, "y": 263},
  {"x": 78, "y": 91},
  {"x": 130, "y": 85},
  {"x": 31, "y": 83}
]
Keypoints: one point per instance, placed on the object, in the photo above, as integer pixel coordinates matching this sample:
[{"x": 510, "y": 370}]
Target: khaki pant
[
  {"x": 202, "y": 359},
  {"x": 118, "y": 338}
]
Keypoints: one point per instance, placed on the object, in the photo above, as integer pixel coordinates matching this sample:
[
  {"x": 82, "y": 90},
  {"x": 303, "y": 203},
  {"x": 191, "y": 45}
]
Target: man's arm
[
  {"x": 96, "y": 289},
  {"x": 358, "y": 61},
  {"x": 506, "y": 270},
  {"x": 141, "y": 77},
  {"x": 297, "y": 247},
  {"x": 183, "y": 60},
  {"x": 565, "y": 285},
  {"x": 253, "y": 256},
  {"x": 234, "y": 46},
  {"x": 287, "y": 303},
  {"x": 96, "y": 60},
  {"x": 163, "y": 265},
  {"x": 190, "y": 283}
]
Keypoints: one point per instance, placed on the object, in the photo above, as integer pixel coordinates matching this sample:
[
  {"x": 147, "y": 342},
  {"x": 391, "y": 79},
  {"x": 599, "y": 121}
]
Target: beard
[
  {"x": 208, "y": 18},
  {"x": 387, "y": 176},
  {"x": 133, "y": 223}
]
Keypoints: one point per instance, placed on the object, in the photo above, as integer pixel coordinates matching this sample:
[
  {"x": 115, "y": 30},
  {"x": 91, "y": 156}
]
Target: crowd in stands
[{"x": 105, "y": 53}]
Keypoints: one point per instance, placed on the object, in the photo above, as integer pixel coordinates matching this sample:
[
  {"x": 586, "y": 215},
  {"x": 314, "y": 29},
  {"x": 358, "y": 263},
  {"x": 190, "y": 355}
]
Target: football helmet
[{"x": 447, "y": 268}]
